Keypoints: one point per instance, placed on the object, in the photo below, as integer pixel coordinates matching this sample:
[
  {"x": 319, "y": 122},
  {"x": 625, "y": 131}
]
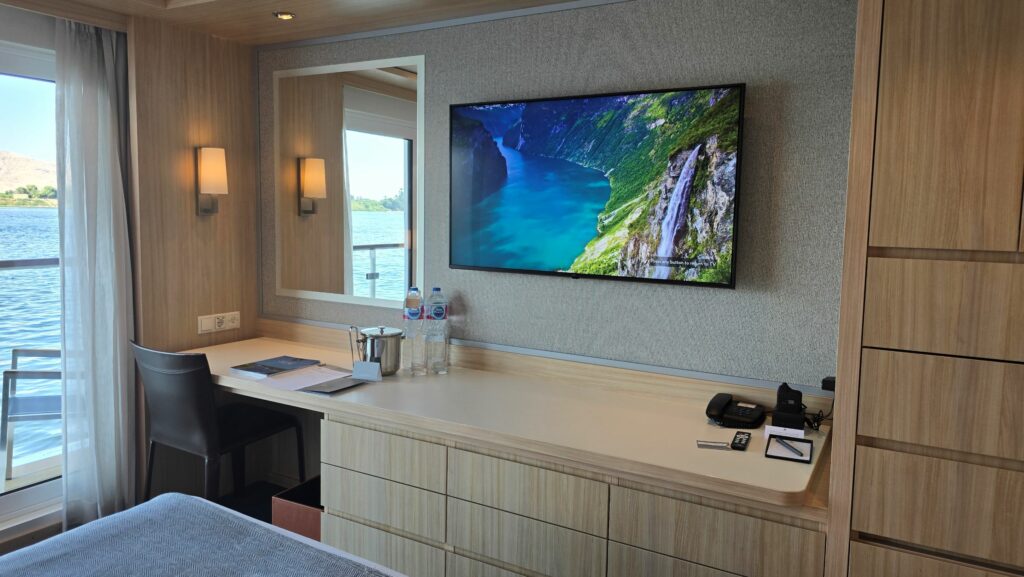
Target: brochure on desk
[{"x": 274, "y": 366}]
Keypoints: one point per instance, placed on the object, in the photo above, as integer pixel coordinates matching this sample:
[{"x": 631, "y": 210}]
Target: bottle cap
[
  {"x": 412, "y": 288},
  {"x": 437, "y": 289}
]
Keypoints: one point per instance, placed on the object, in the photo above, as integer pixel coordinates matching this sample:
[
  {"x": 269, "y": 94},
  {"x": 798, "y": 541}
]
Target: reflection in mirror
[{"x": 346, "y": 193}]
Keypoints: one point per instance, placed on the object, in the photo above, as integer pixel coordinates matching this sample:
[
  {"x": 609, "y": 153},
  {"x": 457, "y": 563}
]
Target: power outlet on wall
[{"x": 220, "y": 322}]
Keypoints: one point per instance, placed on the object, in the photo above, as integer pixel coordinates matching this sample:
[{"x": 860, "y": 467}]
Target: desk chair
[
  {"x": 16, "y": 408},
  {"x": 181, "y": 414}
]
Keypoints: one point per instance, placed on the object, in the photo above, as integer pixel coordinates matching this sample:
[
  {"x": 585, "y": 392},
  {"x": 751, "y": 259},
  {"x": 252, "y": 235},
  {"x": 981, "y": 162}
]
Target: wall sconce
[
  {"x": 312, "y": 184},
  {"x": 211, "y": 179}
]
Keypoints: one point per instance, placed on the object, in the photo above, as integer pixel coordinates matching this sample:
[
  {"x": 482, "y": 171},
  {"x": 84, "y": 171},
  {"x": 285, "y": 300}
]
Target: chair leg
[
  {"x": 149, "y": 471},
  {"x": 212, "y": 478},
  {"x": 238, "y": 469},
  {"x": 9, "y": 449},
  {"x": 301, "y": 448}
]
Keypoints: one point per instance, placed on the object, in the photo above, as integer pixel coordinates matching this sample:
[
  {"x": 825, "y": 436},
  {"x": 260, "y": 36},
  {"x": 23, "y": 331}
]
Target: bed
[{"x": 178, "y": 535}]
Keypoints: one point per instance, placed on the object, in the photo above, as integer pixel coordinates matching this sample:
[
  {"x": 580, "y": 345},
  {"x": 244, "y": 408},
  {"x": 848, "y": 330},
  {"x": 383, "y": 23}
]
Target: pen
[{"x": 790, "y": 447}]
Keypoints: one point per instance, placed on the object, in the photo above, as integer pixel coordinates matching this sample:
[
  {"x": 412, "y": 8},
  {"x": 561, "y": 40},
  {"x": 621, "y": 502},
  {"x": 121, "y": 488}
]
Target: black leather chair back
[{"x": 179, "y": 400}]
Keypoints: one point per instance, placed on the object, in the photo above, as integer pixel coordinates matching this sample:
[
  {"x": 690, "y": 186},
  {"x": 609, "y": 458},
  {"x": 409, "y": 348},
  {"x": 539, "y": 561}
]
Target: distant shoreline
[{"x": 28, "y": 203}]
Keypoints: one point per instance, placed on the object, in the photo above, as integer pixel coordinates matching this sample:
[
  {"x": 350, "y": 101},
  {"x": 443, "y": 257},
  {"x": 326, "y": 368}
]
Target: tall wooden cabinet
[
  {"x": 949, "y": 137},
  {"x": 928, "y": 453}
]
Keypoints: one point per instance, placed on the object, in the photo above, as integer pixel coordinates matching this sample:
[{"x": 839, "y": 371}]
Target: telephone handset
[{"x": 726, "y": 412}]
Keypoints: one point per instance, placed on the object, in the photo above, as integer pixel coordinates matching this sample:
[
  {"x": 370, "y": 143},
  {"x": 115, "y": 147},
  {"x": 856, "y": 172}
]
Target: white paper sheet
[{"x": 295, "y": 380}]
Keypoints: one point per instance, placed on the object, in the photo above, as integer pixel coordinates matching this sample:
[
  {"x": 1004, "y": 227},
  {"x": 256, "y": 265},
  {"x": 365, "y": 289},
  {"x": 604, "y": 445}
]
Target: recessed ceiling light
[{"x": 284, "y": 15}]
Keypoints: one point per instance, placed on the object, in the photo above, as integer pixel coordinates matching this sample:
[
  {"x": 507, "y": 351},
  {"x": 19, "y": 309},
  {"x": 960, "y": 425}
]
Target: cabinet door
[{"x": 949, "y": 143}]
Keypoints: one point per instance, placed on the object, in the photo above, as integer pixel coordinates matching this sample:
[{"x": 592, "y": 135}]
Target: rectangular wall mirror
[{"x": 348, "y": 181}]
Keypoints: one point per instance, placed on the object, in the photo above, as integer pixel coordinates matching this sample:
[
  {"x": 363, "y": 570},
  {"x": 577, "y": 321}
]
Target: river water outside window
[{"x": 30, "y": 305}]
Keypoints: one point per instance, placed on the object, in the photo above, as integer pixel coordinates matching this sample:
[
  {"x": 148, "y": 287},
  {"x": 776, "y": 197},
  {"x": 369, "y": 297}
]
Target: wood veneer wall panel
[
  {"x": 310, "y": 121},
  {"x": 949, "y": 155},
  {"x": 946, "y": 402},
  {"x": 969, "y": 309},
  {"x": 851, "y": 300},
  {"x": 965, "y": 509},
  {"x": 191, "y": 90}
]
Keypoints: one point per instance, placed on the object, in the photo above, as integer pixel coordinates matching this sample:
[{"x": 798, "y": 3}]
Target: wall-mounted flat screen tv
[{"x": 639, "y": 186}]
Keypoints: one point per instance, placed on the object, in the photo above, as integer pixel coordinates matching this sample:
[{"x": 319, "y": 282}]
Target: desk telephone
[{"x": 726, "y": 412}]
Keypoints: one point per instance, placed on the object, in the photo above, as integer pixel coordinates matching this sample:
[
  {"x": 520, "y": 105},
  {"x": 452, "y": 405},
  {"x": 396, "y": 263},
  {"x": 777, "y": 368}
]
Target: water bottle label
[
  {"x": 413, "y": 313},
  {"x": 439, "y": 312}
]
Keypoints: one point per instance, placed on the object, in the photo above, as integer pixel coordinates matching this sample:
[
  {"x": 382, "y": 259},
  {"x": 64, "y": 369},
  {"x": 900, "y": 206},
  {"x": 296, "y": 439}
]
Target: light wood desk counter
[{"x": 640, "y": 436}]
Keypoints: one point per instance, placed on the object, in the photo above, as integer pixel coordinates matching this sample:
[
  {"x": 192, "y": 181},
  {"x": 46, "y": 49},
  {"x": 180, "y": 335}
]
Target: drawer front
[
  {"x": 401, "y": 459},
  {"x": 459, "y": 566},
  {"x": 533, "y": 545},
  {"x": 398, "y": 553},
  {"x": 626, "y": 561},
  {"x": 958, "y": 507},
  {"x": 549, "y": 496},
  {"x": 873, "y": 561},
  {"x": 959, "y": 404},
  {"x": 967, "y": 309},
  {"x": 720, "y": 539},
  {"x": 400, "y": 506}
]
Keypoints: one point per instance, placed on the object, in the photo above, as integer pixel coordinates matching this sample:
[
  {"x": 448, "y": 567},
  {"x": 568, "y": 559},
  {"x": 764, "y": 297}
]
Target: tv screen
[{"x": 627, "y": 186}]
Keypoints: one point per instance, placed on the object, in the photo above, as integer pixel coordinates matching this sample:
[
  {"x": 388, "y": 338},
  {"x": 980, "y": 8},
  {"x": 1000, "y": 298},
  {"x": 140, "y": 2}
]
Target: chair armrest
[{"x": 33, "y": 353}]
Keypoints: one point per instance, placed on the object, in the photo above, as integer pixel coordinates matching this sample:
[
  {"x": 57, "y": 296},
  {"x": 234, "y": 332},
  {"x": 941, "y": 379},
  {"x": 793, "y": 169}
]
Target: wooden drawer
[
  {"x": 958, "y": 507},
  {"x": 459, "y": 566},
  {"x": 959, "y": 404},
  {"x": 401, "y": 459},
  {"x": 626, "y": 561},
  {"x": 557, "y": 498},
  {"x": 403, "y": 555},
  {"x": 532, "y": 545},
  {"x": 967, "y": 309},
  {"x": 868, "y": 560},
  {"x": 720, "y": 539},
  {"x": 399, "y": 506}
]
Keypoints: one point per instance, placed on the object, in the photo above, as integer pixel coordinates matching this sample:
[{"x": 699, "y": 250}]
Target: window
[{"x": 30, "y": 285}]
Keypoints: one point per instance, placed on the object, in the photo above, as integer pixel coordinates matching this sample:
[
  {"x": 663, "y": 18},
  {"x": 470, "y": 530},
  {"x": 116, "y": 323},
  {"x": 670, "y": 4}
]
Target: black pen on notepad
[{"x": 790, "y": 447}]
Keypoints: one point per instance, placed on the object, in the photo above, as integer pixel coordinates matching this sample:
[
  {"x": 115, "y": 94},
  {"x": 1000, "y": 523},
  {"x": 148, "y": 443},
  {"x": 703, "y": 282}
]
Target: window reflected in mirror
[{"x": 355, "y": 240}]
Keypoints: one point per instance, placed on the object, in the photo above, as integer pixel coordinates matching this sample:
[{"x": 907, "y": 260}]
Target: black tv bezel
[{"x": 742, "y": 87}]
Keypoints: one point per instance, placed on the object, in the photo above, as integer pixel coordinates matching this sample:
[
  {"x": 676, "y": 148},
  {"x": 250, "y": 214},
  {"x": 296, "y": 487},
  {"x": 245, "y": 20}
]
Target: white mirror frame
[{"x": 418, "y": 196}]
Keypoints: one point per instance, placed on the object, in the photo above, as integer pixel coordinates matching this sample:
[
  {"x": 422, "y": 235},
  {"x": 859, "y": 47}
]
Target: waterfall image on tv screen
[{"x": 637, "y": 186}]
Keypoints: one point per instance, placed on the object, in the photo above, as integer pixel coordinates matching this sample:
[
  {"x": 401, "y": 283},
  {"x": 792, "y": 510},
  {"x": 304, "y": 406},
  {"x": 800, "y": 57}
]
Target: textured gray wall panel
[{"x": 796, "y": 58}]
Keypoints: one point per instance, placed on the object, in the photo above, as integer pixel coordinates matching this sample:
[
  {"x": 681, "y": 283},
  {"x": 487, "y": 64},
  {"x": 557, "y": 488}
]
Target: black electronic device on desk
[
  {"x": 789, "y": 408},
  {"x": 724, "y": 411}
]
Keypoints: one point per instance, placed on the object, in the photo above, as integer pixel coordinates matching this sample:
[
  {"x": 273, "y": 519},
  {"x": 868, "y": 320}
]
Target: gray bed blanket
[{"x": 176, "y": 535}]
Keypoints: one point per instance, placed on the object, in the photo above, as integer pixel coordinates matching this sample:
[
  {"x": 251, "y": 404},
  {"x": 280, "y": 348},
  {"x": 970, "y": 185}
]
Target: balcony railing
[
  {"x": 373, "y": 275},
  {"x": 27, "y": 405}
]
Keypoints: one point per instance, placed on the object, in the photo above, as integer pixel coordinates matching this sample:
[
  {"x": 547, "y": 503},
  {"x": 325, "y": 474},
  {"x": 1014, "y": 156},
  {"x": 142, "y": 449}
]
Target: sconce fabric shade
[
  {"x": 312, "y": 178},
  {"x": 212, "y": 171}
]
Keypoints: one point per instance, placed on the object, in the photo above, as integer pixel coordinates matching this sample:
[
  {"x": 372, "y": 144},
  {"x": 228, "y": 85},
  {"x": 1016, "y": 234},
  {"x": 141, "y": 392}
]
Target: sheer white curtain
[{"x": 99, "y": 388}]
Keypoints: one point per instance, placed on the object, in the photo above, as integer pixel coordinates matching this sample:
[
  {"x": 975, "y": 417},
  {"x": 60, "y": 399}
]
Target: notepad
[
  {"x": 776, "y": 450},
  {"x": 302, "y": 378}
]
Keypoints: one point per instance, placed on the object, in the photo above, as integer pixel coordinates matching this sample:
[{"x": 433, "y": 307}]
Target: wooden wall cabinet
[
  {"x": 949, "y": 149},
  {"x": 926, "y": 452}
]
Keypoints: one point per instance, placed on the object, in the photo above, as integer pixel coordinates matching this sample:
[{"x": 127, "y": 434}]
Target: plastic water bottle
[
  {"x": 416, "y": 354},
  {"x": 437, "y": 332}
]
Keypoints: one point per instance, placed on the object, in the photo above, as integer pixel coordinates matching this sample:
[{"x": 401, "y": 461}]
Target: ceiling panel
[{"x": 252, "y": 21}]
